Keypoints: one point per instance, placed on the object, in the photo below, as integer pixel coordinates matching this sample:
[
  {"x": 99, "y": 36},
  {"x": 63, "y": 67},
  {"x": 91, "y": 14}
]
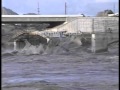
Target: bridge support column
[
  {"x": 99, "y": 42},
  {"x": 15, "y": 45}
]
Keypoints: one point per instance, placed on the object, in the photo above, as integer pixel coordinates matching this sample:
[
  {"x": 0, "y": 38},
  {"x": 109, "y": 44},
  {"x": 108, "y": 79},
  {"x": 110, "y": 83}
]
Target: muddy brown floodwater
[{"x": 78, "y": 71}]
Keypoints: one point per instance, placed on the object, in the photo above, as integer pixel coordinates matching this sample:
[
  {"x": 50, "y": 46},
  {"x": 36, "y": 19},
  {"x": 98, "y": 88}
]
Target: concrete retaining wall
[{"x": 89, "y": 24}]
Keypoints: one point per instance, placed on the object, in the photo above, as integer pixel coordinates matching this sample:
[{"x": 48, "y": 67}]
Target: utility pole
[
  {"x": 38, "y": 9},
  {"x": 114, "y": 7},
  {"x": 65, "y": 8}
]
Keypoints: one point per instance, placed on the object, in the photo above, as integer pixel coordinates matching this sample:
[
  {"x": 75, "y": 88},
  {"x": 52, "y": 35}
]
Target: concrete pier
[
  {"x": 101, "y": 40},
  {"x": 15, "y": 45}
]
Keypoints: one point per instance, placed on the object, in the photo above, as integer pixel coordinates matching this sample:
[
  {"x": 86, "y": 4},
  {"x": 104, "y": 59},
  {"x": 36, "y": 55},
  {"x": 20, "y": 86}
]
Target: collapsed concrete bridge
[
  {"x": 99, "y": 41},
  {"x": 96, "y": 27}
]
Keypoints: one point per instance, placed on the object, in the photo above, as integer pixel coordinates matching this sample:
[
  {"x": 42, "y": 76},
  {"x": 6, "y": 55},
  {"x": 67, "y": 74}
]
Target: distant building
[
  {"x": 104, "y": 13},
  {"x": 113, "y": 15}
]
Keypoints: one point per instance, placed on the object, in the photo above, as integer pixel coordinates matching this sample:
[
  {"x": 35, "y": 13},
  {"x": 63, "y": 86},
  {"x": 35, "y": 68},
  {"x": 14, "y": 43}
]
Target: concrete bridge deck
[{"x": 37, "y": 18}]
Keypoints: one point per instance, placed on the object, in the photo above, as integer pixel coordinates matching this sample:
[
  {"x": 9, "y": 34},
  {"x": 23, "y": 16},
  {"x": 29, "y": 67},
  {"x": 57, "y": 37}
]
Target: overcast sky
[{"x": 53, "y": 7}]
